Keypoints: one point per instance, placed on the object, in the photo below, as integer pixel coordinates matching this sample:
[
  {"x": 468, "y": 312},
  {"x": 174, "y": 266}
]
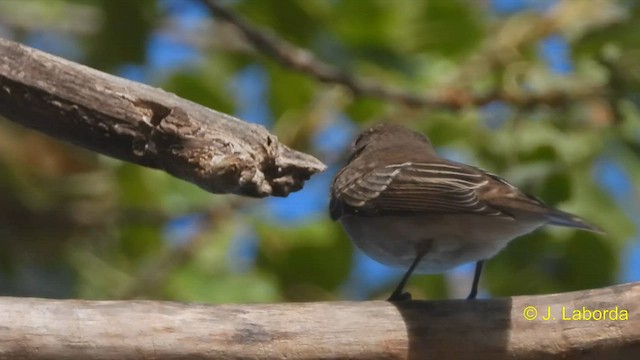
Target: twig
[{"x": 306, "y": 62}]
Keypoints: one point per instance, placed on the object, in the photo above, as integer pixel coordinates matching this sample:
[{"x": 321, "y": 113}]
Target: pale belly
[{"x": 454, "y": 239}]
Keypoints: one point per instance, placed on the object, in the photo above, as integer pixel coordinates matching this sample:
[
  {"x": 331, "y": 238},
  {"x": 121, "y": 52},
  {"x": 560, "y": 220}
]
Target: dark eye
[
  {"x": 356, "y": 152},
  {"x": 362, "y": 136},
  {"x": 358, "y": 139}
]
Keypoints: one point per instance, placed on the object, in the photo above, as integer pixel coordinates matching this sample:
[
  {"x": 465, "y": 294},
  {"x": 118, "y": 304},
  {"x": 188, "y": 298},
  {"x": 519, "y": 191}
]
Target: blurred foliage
[
  {"x": 76, "y": 224},
  {"x": 124, "y": 32}
]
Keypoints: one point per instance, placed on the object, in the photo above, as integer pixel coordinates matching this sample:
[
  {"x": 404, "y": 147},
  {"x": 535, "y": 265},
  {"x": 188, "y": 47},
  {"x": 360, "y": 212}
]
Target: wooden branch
[
  {"x": 146, "y": 126},
  {"x": 455, "y": 329}
]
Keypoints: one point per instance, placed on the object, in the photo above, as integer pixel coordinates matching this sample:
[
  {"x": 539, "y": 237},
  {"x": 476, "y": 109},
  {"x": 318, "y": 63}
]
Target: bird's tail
[{"x": 561, "y": 218}]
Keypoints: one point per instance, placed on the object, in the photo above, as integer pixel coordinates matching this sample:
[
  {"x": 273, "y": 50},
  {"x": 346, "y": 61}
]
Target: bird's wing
[
  {"x": 416, "y": 188},
  {"x": 507, "y": 198}
]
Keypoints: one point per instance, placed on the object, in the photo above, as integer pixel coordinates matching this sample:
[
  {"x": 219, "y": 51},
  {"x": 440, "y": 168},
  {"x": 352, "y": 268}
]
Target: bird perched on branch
[{"x": 405, "y": 206}]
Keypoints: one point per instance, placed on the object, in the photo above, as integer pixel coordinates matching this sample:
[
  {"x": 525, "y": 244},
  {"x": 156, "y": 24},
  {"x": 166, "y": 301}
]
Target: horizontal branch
[
  {"x": 454, "y": 329},
  {"x": 147, "y": 126}
]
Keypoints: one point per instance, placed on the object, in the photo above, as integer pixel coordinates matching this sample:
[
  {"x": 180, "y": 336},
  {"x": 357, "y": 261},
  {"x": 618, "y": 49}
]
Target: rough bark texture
[
  {"x": 146, "y": 126},
  {"x": 456, "y": 329}
]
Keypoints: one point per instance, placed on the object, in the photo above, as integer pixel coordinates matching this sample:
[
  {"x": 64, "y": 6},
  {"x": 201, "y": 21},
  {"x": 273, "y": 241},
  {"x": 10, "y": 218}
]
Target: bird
[{"x": 405, "y": 206}]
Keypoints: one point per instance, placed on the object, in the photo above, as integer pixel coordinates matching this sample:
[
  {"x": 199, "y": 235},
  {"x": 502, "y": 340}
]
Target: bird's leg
[
  {"x": 476, "y": 280},
  {"x": 399, "y": 294}
]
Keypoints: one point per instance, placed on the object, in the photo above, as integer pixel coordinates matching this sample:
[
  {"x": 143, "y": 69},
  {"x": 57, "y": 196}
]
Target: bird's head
[{"x": 383, "y": 137}]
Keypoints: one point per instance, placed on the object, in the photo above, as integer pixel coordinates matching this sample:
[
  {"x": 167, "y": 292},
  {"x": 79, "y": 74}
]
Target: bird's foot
[{"x": 399, "y": 296}]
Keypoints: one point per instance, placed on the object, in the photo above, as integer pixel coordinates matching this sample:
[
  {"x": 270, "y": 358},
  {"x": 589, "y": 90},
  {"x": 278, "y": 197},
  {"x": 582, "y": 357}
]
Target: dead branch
[
  {"x": 146, "y": 126},
  {"x": 454, "y": 329}
]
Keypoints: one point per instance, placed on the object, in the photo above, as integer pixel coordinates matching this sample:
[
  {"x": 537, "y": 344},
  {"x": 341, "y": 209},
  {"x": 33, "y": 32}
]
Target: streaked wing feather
[
  {"x": 367, "y": 187},
  {"x": 418, "y": 188}
]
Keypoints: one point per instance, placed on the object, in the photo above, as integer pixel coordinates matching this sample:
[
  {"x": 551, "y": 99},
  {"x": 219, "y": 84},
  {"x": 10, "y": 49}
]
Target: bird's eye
[
  {"x": 357, "y": 141},
  {"x": 357, "y": 151},
  {"x": 367, "y": 134}
]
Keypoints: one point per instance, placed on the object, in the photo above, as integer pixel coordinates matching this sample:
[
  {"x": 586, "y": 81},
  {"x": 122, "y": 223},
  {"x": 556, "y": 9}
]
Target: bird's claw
[{"x": 404, "y": 296}]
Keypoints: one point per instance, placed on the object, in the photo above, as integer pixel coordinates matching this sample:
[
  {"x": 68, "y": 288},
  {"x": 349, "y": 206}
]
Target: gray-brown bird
[{"x": 405, "y": 206}]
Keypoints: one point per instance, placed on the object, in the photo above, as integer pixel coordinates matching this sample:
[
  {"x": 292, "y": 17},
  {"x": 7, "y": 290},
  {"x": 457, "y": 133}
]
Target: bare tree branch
[
  {"x": 146, "y": 126},
  {"x": 455, "y": 329},
  {"x": 306, "y": 62}
]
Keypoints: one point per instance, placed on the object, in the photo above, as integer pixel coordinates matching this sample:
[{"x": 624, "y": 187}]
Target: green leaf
[
  {"x": 364, "y": 109},
  {"x": 207, "y": 85},
  {"x": 448, "y": 27},
  {"x": 124, "y": 32},
  {"x": 289, "y": 91},
  {"x": 191, "y": 284},
  {"x": 309, "y": 261},
  {"x": 590, "y": 262},
  {"x": 526, "y": 266},
  {"x": 291, "y": 19}
]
